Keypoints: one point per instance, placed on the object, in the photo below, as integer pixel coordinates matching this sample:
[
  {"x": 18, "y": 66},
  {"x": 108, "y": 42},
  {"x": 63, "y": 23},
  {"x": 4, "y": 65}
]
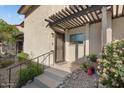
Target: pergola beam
[
  {"x": 51, "y": 17},
  {"x": 65, "y": 16},
  {"x": 71, "y": 22},
  {"x": 67, "y": 10},
  {"x": 61, "y": 26},
  {"x": 92, "y": 16},
  {"x": 77, "y": 14},
  {"x": 91, "y": 13},
  {"x": 85, "y": 18},
  {"x": 79, "y": 11},
  {"x": 62, "y": 16},
  {"x": 48, "y": 20},
  {"x": 75, "y": 21},
  {"x": 86, "y": 14},
  {"x": 71, "y": 13},
  {"x": 97, "y": 15}
]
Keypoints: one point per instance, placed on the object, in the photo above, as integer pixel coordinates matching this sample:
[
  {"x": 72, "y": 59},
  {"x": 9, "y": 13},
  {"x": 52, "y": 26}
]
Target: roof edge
[
  {"x": 20, "y": 9},
  {"x": 23, "y": 9}
]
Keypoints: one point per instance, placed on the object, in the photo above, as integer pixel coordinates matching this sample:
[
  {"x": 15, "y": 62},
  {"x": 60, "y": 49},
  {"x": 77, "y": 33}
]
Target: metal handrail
[{"x": 27, "y": 61}]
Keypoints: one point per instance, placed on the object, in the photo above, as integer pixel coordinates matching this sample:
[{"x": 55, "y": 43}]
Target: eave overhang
[{"x": 24, "y": 9}]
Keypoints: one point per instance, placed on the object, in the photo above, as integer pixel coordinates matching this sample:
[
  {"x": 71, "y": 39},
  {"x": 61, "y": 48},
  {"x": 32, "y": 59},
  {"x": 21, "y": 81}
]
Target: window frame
[{"x": 76, "y": 42}]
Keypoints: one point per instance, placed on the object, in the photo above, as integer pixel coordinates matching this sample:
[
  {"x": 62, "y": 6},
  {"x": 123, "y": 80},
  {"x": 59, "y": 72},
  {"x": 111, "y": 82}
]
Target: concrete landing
[{"x": 67, "y": 66}]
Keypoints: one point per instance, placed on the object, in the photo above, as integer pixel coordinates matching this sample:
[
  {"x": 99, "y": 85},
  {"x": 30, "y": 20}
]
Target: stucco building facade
[{"x": 39, "y": 37}]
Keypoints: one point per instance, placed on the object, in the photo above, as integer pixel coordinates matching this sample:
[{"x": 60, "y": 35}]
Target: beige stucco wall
[
  {"x": 71, "y": 48},
  {"x": 94, "y": 42},
  {"x": 118, "y": 28},
  {"x": 94, "y": 38},
  {"x": 37, "y": 37}
]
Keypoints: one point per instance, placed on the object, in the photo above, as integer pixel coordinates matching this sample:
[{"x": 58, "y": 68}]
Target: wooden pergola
[{"x": 75, "y": 16}]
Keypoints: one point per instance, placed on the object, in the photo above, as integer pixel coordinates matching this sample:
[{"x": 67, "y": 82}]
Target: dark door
[{"x": 60, "y": 39}]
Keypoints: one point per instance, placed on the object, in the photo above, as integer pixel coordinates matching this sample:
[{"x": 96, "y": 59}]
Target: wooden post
[
  {"x": 87, "y": 40},
  {"x": 106, "y": 33}
]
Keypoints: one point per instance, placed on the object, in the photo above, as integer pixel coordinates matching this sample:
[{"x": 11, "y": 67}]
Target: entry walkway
[
  {"x": 64, "y": 75},
  {"x": 67, "y": 66},
  {"x": 53, "y": 76}
]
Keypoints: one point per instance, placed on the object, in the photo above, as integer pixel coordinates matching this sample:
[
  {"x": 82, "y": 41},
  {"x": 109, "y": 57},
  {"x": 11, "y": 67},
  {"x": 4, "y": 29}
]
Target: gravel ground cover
[{"x": 80, "y": 79}]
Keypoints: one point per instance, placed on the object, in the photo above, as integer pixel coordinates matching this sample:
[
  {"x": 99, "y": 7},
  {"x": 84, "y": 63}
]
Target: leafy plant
[
  {"x": 8, "y": 32},
  {"x": 22, "y": 56},
  {"x": 92, "y": 57},
  {"x": 29, "y": 73},
  {"x": 84, "y": 66},
  {"x": 111, "y": 66},
  {"x": 6, "y": 63}
]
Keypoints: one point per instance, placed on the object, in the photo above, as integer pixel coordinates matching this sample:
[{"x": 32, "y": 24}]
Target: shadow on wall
[
  {"x": 73, "y": 65},
  {"x": 76, "y": 64},
  {"x": 70, "y": 66},
  {"x": 79, "y": 52}
]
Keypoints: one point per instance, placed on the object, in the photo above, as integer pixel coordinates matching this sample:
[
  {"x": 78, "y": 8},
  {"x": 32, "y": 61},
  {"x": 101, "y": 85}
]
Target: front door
[{"x": 59, "y": 47}]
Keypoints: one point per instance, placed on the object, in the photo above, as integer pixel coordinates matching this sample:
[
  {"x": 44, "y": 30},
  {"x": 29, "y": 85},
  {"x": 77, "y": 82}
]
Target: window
[{"x": 77, "y": 38}]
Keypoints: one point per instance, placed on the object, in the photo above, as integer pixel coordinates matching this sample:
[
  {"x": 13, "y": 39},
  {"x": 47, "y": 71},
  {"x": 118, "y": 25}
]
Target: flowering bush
[{"x": 111, "y": 66}]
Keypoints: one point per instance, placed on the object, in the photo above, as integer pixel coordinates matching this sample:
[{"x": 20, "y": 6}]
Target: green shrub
[
  {"x": 29, "y": 73},
  {"x": 111, "y": 66},
  {"x": 92, "y": 57},
  {"x": 22, "y": 56},
  {"x": 6, "y": 63},
  {"x": 84, "y": 66}
]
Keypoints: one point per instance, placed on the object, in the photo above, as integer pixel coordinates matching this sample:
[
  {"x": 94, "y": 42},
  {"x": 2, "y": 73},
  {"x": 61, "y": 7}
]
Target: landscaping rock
[
  {"x": 29, "y": 81},
  {"x": 79, "y": 79}
]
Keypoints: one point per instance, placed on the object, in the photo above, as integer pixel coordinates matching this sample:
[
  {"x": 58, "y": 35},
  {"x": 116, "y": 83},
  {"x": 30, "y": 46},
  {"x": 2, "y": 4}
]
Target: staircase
[{"x": 51, "y": 78}]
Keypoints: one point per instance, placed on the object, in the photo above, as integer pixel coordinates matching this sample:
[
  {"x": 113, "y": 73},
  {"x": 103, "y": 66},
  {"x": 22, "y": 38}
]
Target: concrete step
[
  {"x": 51, "y": 78},
  {"x": 44, "y": 80},
  {"x": 56, "y": 74},
  {"x": 31, "y": 85},
  {"x": 35, "y": 84}
]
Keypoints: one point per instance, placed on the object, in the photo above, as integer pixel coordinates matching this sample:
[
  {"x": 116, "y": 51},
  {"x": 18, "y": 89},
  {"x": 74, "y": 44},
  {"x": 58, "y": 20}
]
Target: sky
[{"x": 10, "y": 15}]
